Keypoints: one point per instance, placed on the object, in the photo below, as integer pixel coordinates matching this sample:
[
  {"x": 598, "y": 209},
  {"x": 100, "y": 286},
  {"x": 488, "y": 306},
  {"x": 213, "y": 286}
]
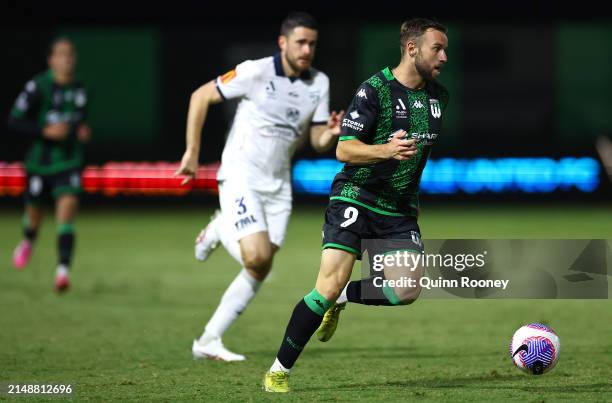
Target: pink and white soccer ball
[{"x": 535, "y": 348}]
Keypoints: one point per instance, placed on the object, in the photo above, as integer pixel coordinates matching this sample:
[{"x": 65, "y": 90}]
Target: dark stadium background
[{"x": 526, "y": 80}]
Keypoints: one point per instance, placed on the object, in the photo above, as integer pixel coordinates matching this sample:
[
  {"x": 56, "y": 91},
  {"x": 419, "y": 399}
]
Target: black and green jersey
[
  {"x": 381, "y": 107},
  {"x": 42, "y": 102}
]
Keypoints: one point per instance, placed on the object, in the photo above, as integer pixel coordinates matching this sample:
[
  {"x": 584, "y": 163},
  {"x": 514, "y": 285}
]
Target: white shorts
[{"x": 248, "y": 211}]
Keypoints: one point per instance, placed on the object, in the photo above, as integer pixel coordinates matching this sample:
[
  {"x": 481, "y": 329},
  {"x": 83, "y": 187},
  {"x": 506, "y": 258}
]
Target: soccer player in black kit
[
  {"x": 391, "y": 124},
  {"x": 51, "y": 112}
]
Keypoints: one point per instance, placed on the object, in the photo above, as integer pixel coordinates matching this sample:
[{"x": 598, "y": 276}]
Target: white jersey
[{"x": 274, "y": 111}]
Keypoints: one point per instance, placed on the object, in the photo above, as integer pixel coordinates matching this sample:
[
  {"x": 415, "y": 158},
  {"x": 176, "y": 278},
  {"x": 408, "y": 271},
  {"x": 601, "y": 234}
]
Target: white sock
[
  {"x": 227, "y": 236},
  {"x": 235, "y": 299},
  {"x": 277, "y": 366},
  {"x": 62, "y": 270},
  {"x": 342, "y": 298}
]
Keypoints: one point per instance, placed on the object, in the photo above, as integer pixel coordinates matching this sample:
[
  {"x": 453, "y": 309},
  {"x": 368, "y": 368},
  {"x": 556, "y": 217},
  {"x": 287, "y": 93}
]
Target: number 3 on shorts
[{"x": 351, "y": 214}]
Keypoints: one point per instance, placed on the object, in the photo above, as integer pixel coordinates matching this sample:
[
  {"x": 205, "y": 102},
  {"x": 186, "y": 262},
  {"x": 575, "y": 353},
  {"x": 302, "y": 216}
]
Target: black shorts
[
  {"x": 61, "y": 183},
  {"x": 347, "y": 224}
]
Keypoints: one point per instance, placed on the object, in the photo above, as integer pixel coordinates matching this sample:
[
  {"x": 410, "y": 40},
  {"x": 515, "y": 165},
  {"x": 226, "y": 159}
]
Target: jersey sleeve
[
  {"x": 22, "y": 117},
  {"x": 360, "y": 119},
  {"x": 27, "y": 101},
  {"x": 238, "y": 82},
  {"x": 321, "y": 114}
]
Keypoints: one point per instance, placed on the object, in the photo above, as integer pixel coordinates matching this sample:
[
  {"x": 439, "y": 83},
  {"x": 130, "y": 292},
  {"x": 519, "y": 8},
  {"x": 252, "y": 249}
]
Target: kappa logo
[
  {"x": 418, "y": 104},
  {"x": 362, "y": 94},
  {"x": 354, "y": 115},
  {"x": 436, "y": 111}
]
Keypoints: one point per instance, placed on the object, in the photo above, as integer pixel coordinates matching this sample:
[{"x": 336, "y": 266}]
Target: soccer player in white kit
[{"x": 281, "y": 98}]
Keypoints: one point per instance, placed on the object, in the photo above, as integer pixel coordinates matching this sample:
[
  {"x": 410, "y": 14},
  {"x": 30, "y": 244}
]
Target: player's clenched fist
[{"x": 399, "y": 147}]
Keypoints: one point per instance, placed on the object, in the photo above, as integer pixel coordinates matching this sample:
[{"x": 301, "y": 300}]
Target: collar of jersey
[
  {"x": 390, "y": 77},
  {"x": 278, "y": 66}
]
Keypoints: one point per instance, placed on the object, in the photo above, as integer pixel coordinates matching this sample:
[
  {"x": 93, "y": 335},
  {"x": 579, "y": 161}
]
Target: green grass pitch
[{"x": 139, "y": 298}]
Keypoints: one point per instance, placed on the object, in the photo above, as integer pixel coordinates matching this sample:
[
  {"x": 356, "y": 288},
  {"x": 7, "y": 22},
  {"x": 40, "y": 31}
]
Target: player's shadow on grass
[
  {"x": 390, "y": 352},
  {"x": 489, "y": 382},
  {"x": 587, "y": 388}
]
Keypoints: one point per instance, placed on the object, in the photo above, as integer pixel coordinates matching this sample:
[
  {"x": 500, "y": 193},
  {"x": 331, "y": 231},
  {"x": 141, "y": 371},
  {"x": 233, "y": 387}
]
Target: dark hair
[
  {"x": 414, "y": 28},
  {"x": 297, "y": 19},
  {"x": 56, "y": 40}
]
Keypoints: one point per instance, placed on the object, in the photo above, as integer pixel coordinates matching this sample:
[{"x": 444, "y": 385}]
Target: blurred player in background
[
  {"x": 391, "y": 125},
  {"x": 51, "y": 111},
  {"x": 281, "y": 98}
]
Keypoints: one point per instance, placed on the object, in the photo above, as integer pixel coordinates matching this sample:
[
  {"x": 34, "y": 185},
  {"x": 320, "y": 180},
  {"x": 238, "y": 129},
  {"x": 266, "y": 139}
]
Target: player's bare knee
[
  {"x": 260, "y": 274},
  {"x": 407, "y": 295},
  {"x": 258, "y": 261}
]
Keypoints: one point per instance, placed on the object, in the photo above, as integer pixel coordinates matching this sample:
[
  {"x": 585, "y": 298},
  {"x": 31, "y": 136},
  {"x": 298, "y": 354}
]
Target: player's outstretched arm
[
  {"x": 200, "y": 100},
  {"x": 359, "y": 153},
  {"x": 322, "y": 137}
]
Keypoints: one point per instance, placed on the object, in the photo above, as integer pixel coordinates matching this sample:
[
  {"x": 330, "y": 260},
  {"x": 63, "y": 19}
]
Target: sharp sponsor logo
[
  {"x": 243, "y": 222},
  {"x": 425, "y": 138},
  {"x": 362, "y": 94},
  {"x": 351, "y": 124}
]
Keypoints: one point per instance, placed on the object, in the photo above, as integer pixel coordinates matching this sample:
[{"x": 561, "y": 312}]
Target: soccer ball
[{"x": 535, "y": 348}]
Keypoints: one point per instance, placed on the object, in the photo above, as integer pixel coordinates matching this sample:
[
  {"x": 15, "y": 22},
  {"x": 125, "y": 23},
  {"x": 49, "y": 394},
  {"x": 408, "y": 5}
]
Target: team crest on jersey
[
  {"x": 436, "y": 111},
  {"x": 293, "y": 114},
  {"x": 229, "y": 76},
  {"x": 80, "y": 99},
  {"x": 314, "y": 96}
]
